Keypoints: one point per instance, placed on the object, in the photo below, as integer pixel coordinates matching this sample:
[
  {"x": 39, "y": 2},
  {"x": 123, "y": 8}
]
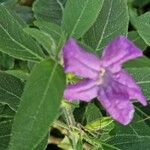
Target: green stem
[{"x": 69, "y": 116}]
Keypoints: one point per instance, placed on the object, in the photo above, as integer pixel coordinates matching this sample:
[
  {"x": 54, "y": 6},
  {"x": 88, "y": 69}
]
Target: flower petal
[
  {"x": 114, "y": 99},
  {"x": 80, "y": 62},
  {"x": 133, "y": 89},
  {"x": 84, "y": 90},
  {"x": 119, "y": 51}
]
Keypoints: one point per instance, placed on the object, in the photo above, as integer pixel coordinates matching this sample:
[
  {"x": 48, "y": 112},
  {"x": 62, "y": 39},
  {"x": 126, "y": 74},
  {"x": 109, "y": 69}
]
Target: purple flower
[{"x": 104, "y": 78}]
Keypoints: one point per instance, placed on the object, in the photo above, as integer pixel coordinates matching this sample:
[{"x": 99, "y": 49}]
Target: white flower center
[{"x": 100, "y": 76}]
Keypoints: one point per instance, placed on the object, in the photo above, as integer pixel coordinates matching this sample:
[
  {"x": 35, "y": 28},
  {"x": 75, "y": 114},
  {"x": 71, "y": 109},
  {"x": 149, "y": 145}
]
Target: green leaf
[
  {"x": 53, "y": 30},
  {"x": 92, "y": 112},
  {"x": 6, "y": 121},
  {"x": 130, "y": 142},
  {"x": 6, "y": 62},
  {"x": 19, "y": 74},
  {"x": 6, "y": 113},
  {"x": 50, "y": 28},
  {"x": 8, "y": 1},
  {"x": 43, "y": 144},
  {"x": 139, "y": 42},
  {"x": 112, "y": 21},
  {"x": 24, "y": 12},
  {"x": 49, "y": 10},
  {"x": 5, "y": 132},
  {"x": 79, "y": 145},
  {"x": 10, "y": 93},
  {"x": 132, "y": 137},
  {"x": 10, "y": 90},
  {"x": 142, "y": 77},
  {"x": 138, "y": 62},
  {"x": 14, "y": 41},
  {"x": 141, "y": 3},
  {"x": 39, "y": 106},
  {"x": 79, "y": 16},
  {"x": 42, "y": 38},
  {"x": 142, "y": 24}
]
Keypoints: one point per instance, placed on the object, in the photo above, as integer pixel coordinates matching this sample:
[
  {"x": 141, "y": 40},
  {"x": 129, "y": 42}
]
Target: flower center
[{"x": 100, "y": 76}]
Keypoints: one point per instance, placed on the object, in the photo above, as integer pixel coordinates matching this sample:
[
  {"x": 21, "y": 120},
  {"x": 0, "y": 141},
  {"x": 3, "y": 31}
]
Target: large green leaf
[
  {"x": 112, "y": 21},
  {"x": 24, "y": 12},
  {"x": 14, "y": 41},
  {"x": 6, "y": 120},
  {"x": 138, "y": 63},
  {"x": 5, "y": 132},
  {"x": 142, "y": 24},
  {"x": 43, "y": 144},
  {"x": 135, "y": 37},
  {"x": 79, "y": 16},
  {"x": 42, "y": 38},
  {"x": 49, "y": 10},
  {"x": 142, "y": 77},
  {"x": 132, "y": 137},
  {"x": 39, "y": 106},
  {"x": 10, "y": 92},
  {"x": 52, "y": 30}
]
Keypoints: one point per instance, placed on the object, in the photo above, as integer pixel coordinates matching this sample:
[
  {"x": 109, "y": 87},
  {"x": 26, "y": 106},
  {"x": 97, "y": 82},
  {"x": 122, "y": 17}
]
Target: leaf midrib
[
  {"x": 44, "y": 95},
  {"x": 104, "y": 28},
  {"x": 79, "y": 18},
  {"x": 10, "y": 93},
  {"x": 15, "y": 41},
  {"x": 30, "y": 51},
  {"x": 61, "y": 5},
  {"x": 143, "y": 82}
]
